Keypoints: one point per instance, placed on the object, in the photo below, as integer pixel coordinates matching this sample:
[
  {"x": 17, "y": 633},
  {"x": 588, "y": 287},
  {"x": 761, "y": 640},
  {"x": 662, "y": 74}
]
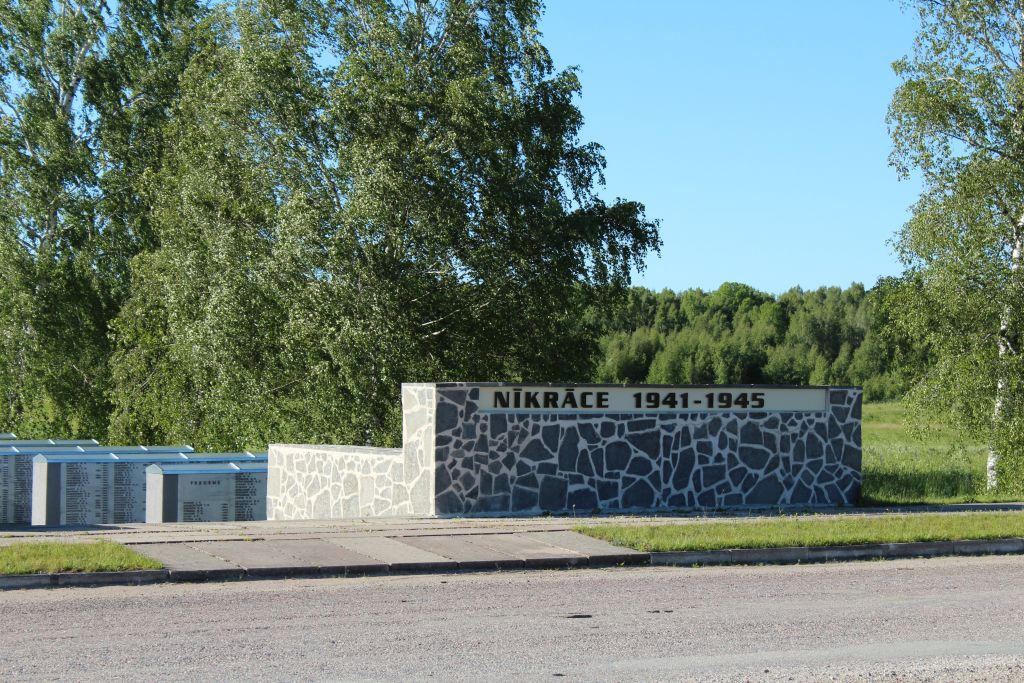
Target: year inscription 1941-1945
[{"x": 644, "y": 399}]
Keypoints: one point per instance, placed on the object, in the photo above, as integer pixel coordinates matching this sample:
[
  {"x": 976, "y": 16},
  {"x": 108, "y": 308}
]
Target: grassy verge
[
  {"x": 784, "y": 532},
  {"x": 44, "y": 558},
  {"x": 937, "y": 467}
]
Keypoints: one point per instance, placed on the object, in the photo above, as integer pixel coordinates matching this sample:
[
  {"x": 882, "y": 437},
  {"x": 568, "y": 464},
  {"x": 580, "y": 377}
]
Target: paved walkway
[
  {"x": 357, "y": 547},
  {"x": 372, "y": 546}
]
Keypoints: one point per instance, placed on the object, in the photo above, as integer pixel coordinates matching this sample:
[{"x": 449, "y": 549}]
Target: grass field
[
  {"x": 901, "y": 469},
  {"x": 44, "y": 558},
  {"x": 785, "y": 532}
]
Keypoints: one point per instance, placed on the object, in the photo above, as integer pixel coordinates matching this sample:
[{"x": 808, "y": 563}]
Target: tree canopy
[
  {"x": 234, "y": 223},
  {"x": 84, "y": 91}
]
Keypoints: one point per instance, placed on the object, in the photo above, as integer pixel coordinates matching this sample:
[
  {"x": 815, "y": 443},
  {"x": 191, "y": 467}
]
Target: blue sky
[{"x": 755, "y": 130}]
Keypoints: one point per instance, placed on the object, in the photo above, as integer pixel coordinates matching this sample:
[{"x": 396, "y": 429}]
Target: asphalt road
[{"x": 945, "y": 619}]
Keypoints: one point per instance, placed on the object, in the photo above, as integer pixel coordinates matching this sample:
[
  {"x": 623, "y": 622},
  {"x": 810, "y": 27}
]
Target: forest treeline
[{"x": 737, "y": 334}]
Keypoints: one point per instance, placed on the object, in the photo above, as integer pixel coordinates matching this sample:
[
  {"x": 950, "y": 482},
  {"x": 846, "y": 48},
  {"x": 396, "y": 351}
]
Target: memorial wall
[
  {"x": 15, "y": 488},
  {"x": 518, "y": 449},
  {"x": 92, "y": 488},
  {"x": 16, "y": 469},
  {"x": 16, "y": 472},
  {"x": 206, "y": 492}
]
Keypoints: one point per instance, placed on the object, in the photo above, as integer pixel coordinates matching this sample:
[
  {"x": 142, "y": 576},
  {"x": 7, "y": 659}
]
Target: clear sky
[{"x": 754, "y": 129}]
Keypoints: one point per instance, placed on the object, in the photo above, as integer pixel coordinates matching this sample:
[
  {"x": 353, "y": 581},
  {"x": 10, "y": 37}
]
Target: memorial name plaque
[
  {"x": 15, "y": 488},
  {"x": 652, "y": 399},
  {"x": 229, "y": 492},
  {"x": 16, "y": 472},
  {"x": 102, "y": 493}
]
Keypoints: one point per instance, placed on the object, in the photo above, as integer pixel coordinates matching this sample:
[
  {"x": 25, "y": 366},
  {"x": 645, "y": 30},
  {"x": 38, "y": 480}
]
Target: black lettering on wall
[
  {"x": 531, "y": 400},
  {"x": 569, "y": 400},
  {"x": 602, "y": 399},
  {"x": 500, "y": 399},
  {"x": 550, "y": 399},
  {"x": 585, "y": 399}
]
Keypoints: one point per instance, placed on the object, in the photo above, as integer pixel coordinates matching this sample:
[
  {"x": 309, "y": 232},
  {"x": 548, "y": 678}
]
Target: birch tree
[
  {"x": 362, "y": 194},
  {"x": 957, "y": 120},
  {"x": 84, "y": 94}
]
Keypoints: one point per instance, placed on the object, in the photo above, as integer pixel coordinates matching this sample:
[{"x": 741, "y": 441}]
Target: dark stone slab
[
  {"x": 553, "y": 493},
  {"x": 616, "y": 456},
  {"x": 447, "y": 416},
  {"x": 768, "y": 491}
]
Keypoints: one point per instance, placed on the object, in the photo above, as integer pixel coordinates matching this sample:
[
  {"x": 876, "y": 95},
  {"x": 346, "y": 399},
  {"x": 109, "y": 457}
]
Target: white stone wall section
[{"x": 336, "y": 482}]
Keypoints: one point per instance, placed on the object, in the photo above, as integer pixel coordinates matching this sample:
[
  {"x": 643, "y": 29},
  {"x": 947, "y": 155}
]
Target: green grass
[
  {"x": 45, "y": 558},
  {"x": 938, "y": 467},
  {"x": 785, "y": 532}
]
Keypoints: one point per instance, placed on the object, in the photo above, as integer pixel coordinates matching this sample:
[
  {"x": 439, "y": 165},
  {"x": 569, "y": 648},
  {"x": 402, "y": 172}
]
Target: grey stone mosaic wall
[
  {"x": 457, "y": 460},
  {"x": 516, "y": 463}
]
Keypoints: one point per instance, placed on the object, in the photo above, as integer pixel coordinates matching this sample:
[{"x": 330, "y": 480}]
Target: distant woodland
[{"x": 736, "y": 334}]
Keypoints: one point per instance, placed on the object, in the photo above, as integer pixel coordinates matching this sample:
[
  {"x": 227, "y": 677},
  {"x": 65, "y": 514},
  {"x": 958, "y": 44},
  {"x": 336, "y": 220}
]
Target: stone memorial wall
[
  {"x": 16, "y": 473},
  {"x": 494, "y": 449},
  {"x": 16, "y": 470},
  {"x": 15, "y": 488},
  {"x": 206, "y": 492},
  {"x": 90, "y": 488},
  {"x": 331, "y": 482}
]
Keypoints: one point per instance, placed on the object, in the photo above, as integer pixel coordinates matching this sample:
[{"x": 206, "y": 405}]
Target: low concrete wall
[{"x": 334, "y": 482}]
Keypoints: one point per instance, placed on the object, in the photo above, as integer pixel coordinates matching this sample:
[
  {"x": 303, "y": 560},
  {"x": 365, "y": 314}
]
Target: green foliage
[
  {"x": 83, "y": 90},
  {"x": 229, "y": 223},
  {"x": 417, "y": 208},
  {"x": 739, "y": 335},
  {"x": 957, "y": 120}
]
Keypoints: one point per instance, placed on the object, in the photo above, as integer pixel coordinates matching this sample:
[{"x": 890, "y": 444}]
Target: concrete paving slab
[
  {"x": 181, "y": 556},
  {"x": 460, "y": 548},
  {"x": 331, "y": 558},
  {"x": 399, "y": 556},
  {"x": 258, "y": 558},
  {"x": 187, "y": 563},
  {"x": 599, "y": 552},
  {"x": 533, "y": 553}
]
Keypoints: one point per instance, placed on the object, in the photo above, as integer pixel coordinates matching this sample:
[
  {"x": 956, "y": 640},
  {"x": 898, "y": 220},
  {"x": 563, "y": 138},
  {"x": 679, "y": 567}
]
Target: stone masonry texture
[
  {"x": 458, "y": 460},
  {"x": 520, "y": 463}
]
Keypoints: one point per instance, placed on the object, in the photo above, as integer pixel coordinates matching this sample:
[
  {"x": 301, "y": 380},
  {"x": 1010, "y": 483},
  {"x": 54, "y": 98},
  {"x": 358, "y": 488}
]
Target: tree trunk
[{"x": 1008, "y": 345}]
